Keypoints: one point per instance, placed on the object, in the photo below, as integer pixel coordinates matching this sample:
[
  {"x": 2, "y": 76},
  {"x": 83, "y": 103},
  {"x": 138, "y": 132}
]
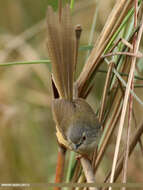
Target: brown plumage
[
  {"x": 76, "y": 123},
  {"x": 61, "y": 42}
]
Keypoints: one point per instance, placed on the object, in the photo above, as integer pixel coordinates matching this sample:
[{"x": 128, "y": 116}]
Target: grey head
[{"x": 83, "y": 137}]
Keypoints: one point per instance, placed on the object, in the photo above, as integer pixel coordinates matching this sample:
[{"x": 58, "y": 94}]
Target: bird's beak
[{"x": 76, "y": 146}]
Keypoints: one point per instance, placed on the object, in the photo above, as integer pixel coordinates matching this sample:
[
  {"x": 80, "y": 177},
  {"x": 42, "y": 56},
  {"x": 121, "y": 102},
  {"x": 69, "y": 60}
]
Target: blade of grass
[
  {"x": 72, "y": 4},
  {"x": 71, "y": 166},
  {"x": 91, "y": 35},
  {"x": 26, "y": 63},
  {"x": 124, "y": 83},
  {"x": 128, "y": 36},
  {"x": 86, "y": 47},
  {"x": 122, "y": 74}
]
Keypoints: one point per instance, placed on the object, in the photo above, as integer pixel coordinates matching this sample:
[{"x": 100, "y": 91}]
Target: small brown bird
[{"x": 77, "y": 126}]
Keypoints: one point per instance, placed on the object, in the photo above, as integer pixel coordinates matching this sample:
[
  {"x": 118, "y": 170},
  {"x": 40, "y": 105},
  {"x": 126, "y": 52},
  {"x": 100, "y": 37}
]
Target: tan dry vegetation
[{"x": 28, "y": 146}]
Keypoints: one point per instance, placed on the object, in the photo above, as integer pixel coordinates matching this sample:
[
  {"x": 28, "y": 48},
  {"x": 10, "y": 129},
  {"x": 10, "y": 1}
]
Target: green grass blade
[
  {"x": 72, "y": 4},
  {"x": 25, "y": 62}
]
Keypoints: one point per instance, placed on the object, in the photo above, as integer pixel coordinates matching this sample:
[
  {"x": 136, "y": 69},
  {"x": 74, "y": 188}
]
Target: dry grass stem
[
  {"x": 124, "y": 84},
  {"x": 125, "y": 167},
  {"x": 60, "y": 166},
  {"x": 135, "y": 124},
  {"x": 138, "y": 55},
  {"x": 103, "y": 102},
  {"x": 127, "y": 93},
  {"x": 93, "y": 62},
  {"x": 88, "y": 171},
  {"x": 133, "y": 143},
  {"x": 109, "y": 132},
  {"x": 112, "y": 64}
]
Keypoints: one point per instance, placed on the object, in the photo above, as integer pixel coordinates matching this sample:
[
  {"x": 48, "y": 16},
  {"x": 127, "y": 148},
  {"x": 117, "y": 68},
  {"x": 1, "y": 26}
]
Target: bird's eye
[{"x": 84, "y": 138}]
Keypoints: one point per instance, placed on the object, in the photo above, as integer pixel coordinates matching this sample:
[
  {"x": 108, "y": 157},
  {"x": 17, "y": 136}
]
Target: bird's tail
[{"x": 61, "y": 49}]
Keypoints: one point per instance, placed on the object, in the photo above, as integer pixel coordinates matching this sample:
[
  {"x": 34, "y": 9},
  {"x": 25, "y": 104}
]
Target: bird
[{"x": 77, "y": 127}]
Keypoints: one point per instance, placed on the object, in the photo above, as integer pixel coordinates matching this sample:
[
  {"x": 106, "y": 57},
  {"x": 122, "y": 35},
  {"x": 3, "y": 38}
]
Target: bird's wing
[{"x": 63, "y": 112}]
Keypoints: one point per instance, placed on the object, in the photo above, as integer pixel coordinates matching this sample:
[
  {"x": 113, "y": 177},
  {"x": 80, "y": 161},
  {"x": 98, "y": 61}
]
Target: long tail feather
[{"x": 61, "y": 43}]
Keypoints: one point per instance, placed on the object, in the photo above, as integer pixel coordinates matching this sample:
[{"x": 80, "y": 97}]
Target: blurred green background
[{"x": 28, "y": 146}]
